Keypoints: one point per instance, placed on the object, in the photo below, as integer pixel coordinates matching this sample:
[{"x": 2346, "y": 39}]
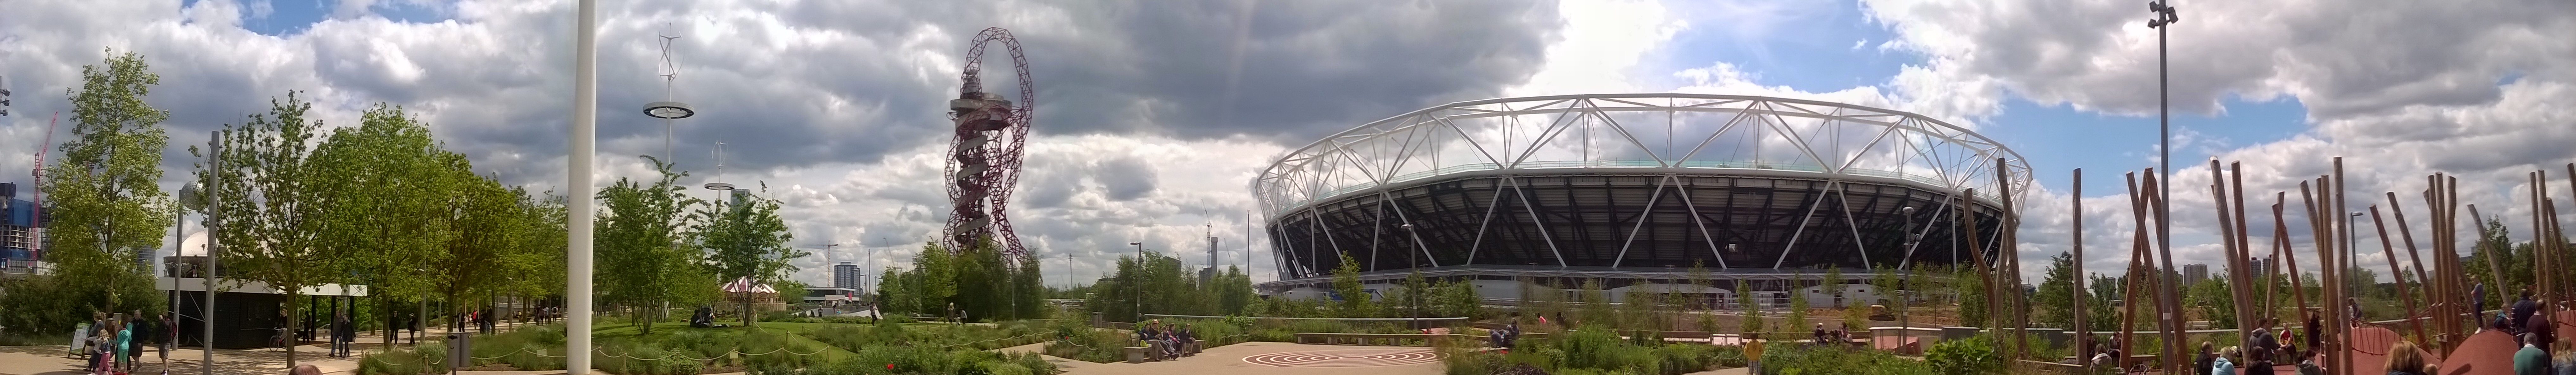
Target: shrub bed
[{"x": 1591, "y": 352}]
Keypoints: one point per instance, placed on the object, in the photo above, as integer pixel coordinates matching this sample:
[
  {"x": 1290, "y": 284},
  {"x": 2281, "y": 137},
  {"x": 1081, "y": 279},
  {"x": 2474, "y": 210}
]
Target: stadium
[{"x": 1633, "y": 191}]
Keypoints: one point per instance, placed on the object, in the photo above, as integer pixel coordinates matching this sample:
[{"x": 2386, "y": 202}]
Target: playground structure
[{"x": 2433, "y": 293}]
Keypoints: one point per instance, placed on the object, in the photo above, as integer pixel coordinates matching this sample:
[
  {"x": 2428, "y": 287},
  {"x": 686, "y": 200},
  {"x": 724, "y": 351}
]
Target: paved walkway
[
  {"x": 53, "y": 360},
  {"x": 1229, "y": 360}
]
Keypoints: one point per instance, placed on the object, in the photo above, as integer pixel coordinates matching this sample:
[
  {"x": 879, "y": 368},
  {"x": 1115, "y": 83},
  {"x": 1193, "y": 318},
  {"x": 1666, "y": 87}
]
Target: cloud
[
  {"x": 2398, "y": 90},
  {"x": 1151, "y": 113}
]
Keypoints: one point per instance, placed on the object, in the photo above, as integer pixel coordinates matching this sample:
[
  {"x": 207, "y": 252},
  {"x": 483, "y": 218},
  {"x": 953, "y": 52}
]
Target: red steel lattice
[{"x": 984, "y": 157}]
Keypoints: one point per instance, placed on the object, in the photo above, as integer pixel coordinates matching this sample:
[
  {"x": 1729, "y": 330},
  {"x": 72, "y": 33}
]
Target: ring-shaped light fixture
[{"x": 669, "y": 110}]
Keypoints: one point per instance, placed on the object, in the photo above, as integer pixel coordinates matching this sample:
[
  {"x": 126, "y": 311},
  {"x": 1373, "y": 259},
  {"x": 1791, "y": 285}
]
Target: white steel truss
[
  {"x": 1665, "y": 136},
  {"x": 1723, "y": 132}
]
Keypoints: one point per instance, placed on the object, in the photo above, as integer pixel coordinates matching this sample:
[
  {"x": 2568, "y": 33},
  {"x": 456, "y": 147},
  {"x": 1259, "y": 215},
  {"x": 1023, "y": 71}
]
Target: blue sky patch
[{"x": 291, "y": 17}]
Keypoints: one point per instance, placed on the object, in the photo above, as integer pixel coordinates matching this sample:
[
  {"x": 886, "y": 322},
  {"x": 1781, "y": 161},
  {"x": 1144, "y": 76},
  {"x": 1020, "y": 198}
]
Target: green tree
[
  {"x": 2055, "y": 301},
  {"x": 1833, "y": 285},
  {"x": 1152, "y": 283},
  {"x": 1797, "y": 306},
  {"x": 103, "y": 199},
  {"x": 1752, "y": 308},
  {"x": 1356, "y": 301},
  {"x": 894, "y": 292},
  {"x": 2498, "y": 243},
  {"x": 1234, "y": 292},
  {"x": 746, "y": 239},
  {"x": 276, "y": 198},
  {"x": 639, "y": 235},
  {"x": 790, "y": 292},
  {"x": 2214, "y": 302},
  {"x": 1969, "y": 287}
]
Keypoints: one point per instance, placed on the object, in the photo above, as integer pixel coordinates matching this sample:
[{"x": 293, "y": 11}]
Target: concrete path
[
  {"x": 52, "y": 360},
  {"x": 1229, "y": 360}
]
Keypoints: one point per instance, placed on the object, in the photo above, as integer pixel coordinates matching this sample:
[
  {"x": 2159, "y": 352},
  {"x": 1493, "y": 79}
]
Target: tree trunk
[{"x": 294, "y": 320}]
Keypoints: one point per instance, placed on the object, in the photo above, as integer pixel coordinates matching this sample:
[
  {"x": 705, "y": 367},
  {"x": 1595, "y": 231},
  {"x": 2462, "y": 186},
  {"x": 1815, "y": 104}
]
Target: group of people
[
  {"x": 113, "y": 343},
  {"x": 1836, "y": 336},
  {"x": 1166, "y": 341},
  {"x": 2536, "y": 338},
  {"x": 1504, "y": 338}
]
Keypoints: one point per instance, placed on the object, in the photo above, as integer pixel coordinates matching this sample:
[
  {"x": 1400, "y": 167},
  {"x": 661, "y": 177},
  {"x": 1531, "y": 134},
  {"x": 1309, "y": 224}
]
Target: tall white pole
[
  {"x": 214, "y": 221},
  {"x": 585, "y": 103}
]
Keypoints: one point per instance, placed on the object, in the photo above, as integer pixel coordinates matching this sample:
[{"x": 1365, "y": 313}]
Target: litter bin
[{"x": 459, "y": 353}]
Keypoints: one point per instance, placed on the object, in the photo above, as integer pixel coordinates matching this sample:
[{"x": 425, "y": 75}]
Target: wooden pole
[
  {"x": 2437, "y": 295},
  {"x": 2231, "y": 231},
  {"x": 2539, "y": 237},
  {"x": 2323, "y": 234},
  {"x": 2345, "y": 261},
  {"x": 2562, "y": 296},
  {"x": 2495, "y": 266},
  {"x": 2168, "y": 282},
  {"x": 2281, "y": 244},
  {"x": 2138, "y": 250},
  {"x": 2546, "y": 255},
  {"x": 2010, "y": 250},
  {"x": 2396, "y": 272},
  {"x": 2083, "y": 330}
]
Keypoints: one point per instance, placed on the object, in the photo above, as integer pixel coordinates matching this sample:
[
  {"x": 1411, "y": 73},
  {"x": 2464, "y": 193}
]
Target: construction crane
[
  {"x": 36, "y": 195},
  {"x": 984, "y": 159}
]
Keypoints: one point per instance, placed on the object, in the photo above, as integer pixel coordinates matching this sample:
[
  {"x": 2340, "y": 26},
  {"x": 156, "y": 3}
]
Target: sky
[{"x": 1154, "y": 115}]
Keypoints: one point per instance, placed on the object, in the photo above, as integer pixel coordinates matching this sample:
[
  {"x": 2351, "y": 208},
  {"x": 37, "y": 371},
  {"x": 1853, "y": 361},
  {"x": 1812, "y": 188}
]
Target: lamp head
[
  {"x": 192, "y": 197},
  {"x": 669, "y": 110},
  {"x": 1909, "y": 210}
]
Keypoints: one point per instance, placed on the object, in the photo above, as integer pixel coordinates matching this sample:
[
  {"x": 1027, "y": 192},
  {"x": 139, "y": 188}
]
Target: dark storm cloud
[
  {"x": 1125, "y": 178},
  {"x": 810, "y": 83},
  {"x": 1155, "y": 67}
]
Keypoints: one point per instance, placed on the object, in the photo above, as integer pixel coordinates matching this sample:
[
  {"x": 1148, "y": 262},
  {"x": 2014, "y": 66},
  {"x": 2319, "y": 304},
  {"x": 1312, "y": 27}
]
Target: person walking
[
  {"x": 121, "y": 347},
  {"x": 2522, "y": 310},
  {"x": 2533, "y": 359},
  {"x": 1753, "y": 351},
  {"x": 169, "y": 335},
  {"x": 100, "y": 359},
  {"x": 2203, "y": 359}
]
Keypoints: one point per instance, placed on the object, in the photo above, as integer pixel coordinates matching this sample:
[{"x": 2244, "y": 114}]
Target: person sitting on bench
[
  {"x": 1155, "y": 348},
  {"x": 1189, "y": 341}
]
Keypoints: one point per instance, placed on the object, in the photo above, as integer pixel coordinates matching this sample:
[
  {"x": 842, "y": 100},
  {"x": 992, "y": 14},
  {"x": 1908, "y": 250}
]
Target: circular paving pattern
[{"x": 1347, "y": 358}]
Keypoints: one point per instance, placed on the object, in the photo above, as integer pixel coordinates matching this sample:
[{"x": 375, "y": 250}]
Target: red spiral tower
[{"x": 984, "y": 160}]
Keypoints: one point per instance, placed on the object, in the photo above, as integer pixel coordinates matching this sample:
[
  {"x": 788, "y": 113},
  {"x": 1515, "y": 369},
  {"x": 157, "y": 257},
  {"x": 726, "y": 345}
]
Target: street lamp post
[
  {"x": 1413, "y": 260},
  {"x": 2164, "y": 16},
  {"x": 2348, "y": 253},
  {"x": 1132, "y": 283},
  {"x": 1903, "y": 300}
]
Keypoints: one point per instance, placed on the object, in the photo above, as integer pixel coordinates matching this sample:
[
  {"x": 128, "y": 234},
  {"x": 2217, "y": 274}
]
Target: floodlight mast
[{"x": 984, "y": 158}]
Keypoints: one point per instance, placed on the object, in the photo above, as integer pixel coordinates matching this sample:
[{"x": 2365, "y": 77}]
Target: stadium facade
[{"x": 1634, "y": 190}]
